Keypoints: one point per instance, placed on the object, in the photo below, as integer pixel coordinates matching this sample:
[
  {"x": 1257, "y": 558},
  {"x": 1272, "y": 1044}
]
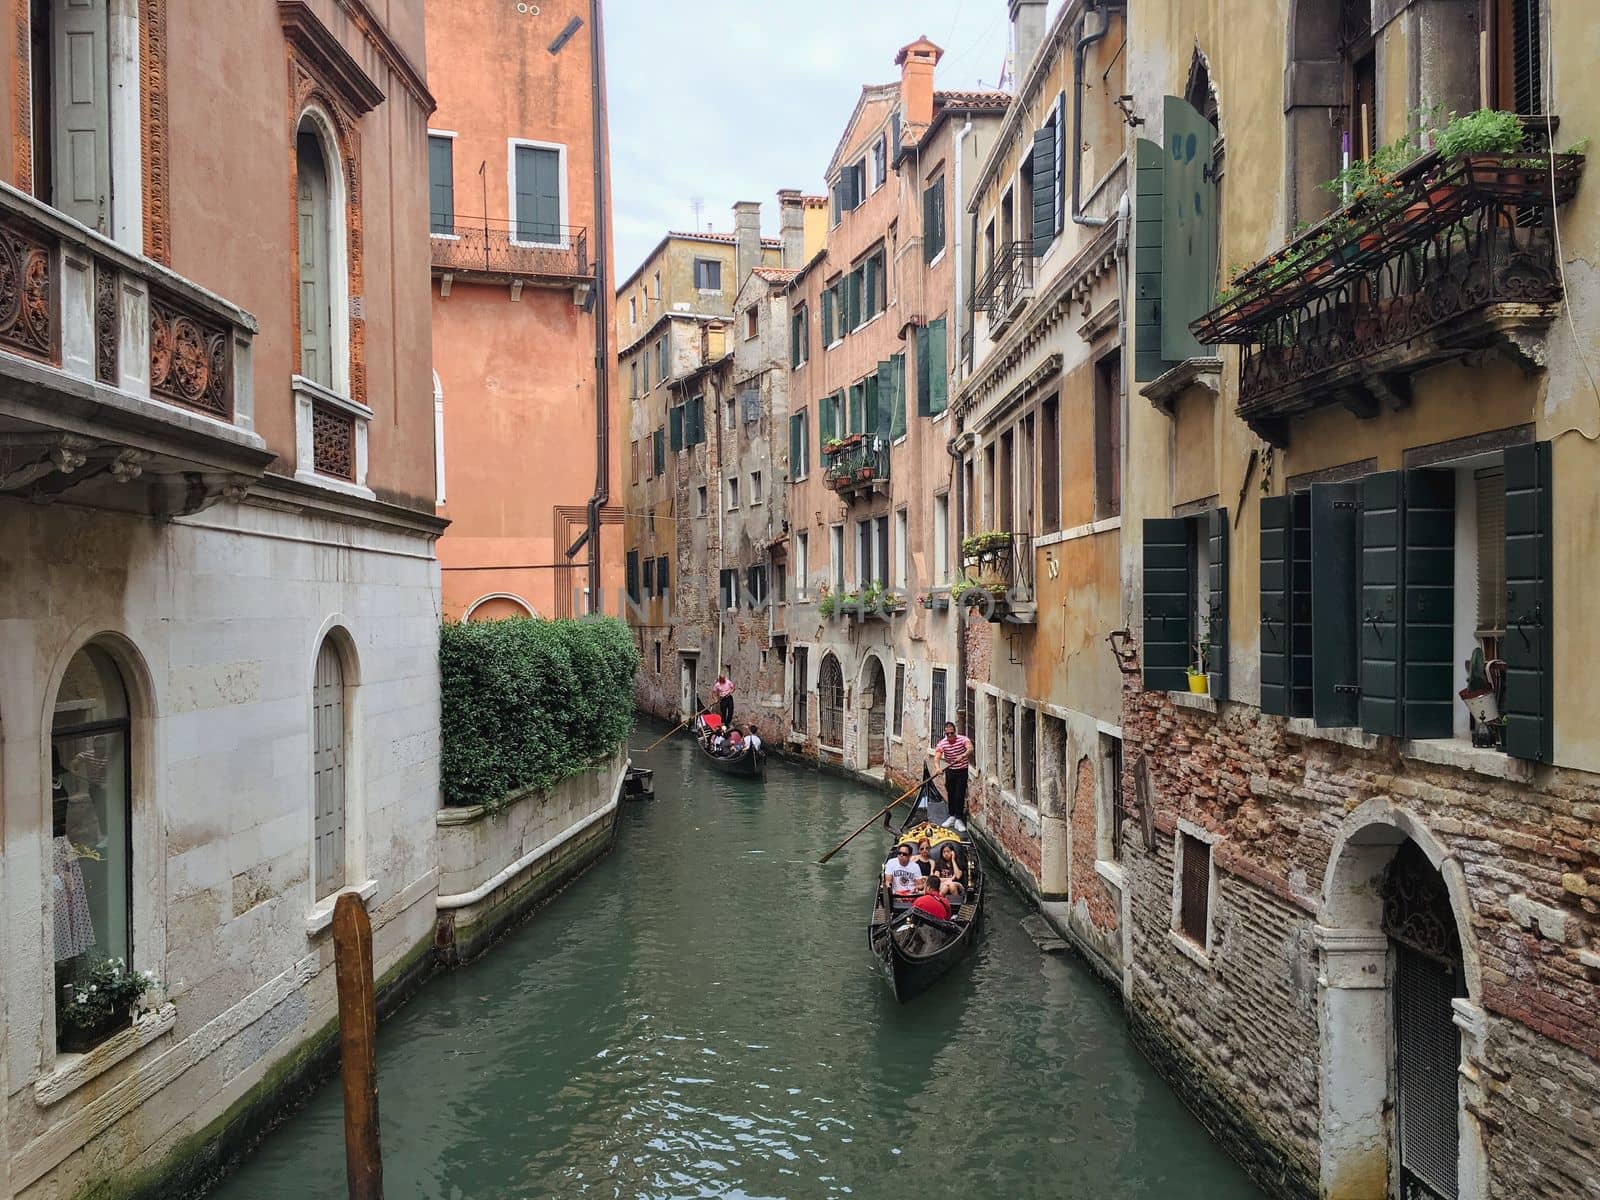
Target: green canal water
[{"x": 698, "y": 1016}]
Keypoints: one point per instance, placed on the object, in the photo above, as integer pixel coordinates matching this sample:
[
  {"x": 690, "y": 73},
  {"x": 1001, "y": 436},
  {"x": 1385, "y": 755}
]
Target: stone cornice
[
  {"x": 373, "y": 29},
  {"x": 331, "y": 62}
]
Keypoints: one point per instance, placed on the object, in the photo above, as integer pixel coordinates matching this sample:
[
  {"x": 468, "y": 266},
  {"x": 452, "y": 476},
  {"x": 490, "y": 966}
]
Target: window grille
[{"x": 1194, "y": 893}]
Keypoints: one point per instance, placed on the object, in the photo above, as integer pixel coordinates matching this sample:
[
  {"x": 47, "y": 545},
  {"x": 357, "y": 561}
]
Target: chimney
[
  {"x": 1027, "y": 32},
  {"x": 792, "y": 223},
  {"x": 916, "y": 63},
  {"x": 747, "y": 236}
]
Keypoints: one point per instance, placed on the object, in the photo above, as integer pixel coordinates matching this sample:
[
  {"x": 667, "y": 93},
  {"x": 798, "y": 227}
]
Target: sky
[{"x": 726, "y": 100}]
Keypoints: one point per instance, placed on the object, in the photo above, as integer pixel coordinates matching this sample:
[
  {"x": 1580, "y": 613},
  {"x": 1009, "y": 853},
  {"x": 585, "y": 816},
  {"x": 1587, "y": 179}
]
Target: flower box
[{"x": 80, "y": 1039}]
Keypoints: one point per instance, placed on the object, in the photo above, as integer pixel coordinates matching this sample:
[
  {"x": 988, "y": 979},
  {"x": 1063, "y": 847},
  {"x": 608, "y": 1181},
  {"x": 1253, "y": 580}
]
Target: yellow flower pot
[{"x": 1197, "y": 683}]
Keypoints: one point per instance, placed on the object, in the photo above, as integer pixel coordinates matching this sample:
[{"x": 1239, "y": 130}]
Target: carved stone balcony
[
  {"x": 122, "y": 384},
  {"x": 857, "y": 467},
  {"x": 485, "y": 251},
  {"x": 1458, "y": 259}
]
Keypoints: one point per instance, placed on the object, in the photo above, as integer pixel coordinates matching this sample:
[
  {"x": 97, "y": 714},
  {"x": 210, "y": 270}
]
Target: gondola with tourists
[
  {"x": 742, "y": 761},
  {"x": 913, "y": 946}
]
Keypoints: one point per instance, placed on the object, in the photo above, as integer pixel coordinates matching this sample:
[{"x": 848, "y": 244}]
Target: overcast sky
[{"x": 729, "y": 100}]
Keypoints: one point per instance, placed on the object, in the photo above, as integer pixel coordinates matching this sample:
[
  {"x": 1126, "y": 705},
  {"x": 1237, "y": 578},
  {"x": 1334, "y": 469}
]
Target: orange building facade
[{"x": 518, "y": 311}]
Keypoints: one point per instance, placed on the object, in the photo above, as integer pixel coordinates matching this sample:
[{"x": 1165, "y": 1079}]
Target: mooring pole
[{"x": 358, "y": 1049}]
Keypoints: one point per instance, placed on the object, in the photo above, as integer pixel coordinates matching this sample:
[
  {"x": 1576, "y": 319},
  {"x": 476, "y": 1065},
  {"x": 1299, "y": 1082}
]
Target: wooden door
[{"x": 81, "y": 69}]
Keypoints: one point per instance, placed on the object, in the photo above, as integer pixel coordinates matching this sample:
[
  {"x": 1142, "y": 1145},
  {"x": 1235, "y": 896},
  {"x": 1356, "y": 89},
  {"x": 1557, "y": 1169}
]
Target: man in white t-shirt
[
  {"x": 753, "y": 740},
  {"x": 901, "y": 875}
]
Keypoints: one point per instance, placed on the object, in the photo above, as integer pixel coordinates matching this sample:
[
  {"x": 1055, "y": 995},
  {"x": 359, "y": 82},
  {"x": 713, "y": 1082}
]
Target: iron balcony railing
[
  {"x": 1007, "y": 282},
  {"x": 510, "y": 249},
  {"x": 1352, "y": 308},
  {"x": 997, "y": 571},
  {"x": 858, "y": 463}
]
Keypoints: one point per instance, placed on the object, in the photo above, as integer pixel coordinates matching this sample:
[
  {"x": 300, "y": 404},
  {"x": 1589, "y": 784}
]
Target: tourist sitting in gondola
[
  {"x": 901, "y": 875},
  {"x": 735, "y": 741},
  {"x": 753, "y": 741},
  {"x": 930, "y": 903},
  {"x": 925, "y": 856},
  {"x": 948, "y": 875}
]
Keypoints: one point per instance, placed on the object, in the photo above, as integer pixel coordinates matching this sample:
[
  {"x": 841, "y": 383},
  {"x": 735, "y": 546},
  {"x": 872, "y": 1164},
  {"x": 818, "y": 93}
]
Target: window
[
  {"x": 1192, "y": 901},
  {"x": 850, "y": 190},
  {"x": 799, "y": 338},
  {"x": 658, "y": 657},
  {"x": 316, "y": 247},
  {"x": 1186, "y": 602},
  {"x": 1028, "y": 757},
  {"x": 799, "y": 447},
  {"x": 1043, "y": 171},
  {"x": 539, "y": 202},
  {"x": 730, "y": 414},
  {"x": 941, "y": 538},
  {"x": 798, "y": 710},
  {"x": 756, "y": 586},
  {"x": 937, "y": 712},
  {"x": 661, "y": 575},
  {"x": 880, "y": 162},
  {"x": 441, "y": 185},
  {"x": 970, "y": 723},
  {"x": 752, "y": 322},
  {"x": 633, "y": 380},
  {"x": 649, "y": 577},
  {"x": 663, "y": 349},
  {"x": 899, "y": 699},
  {"x": 1050, "y": 464},
  {"x": 631, "y": 571},
  {"x": 700, "y": 500},
  {"x": 1108, "y": 437},
  {"x": 733, "y": 492},
  {"x": 1111, "y": 752},
  {"x": 755, "y": 487},
  {"x": 675, "y": 426},
  {"x": 1517, "y": 56},
  {"x": 328, "y": 726},
  {"x": 830, "y": 334},
  {"x": 933, "y": 380},
  {"x": 802, "y": 564},
  {"x": 708, "y": 275},
  {"x": 874, "y": 286},
  {"x": 836, "y": 556},
  {"x": 91, "y": 819},
  {"x": 633, "y": 310},
  {"x": 728, "y": 587},
  {"x": 864, "y": 566},
  {"x": 880, "y": 561},
  {"x": 933, "y": 222},
  {"x": 902, "y": 548},
  {"x": 650, "y": 520},
  {"x": 644, "y": 370},
  {"x": 659, "y": 448},
  {"x": 633, "y": 458},
  {"x": 656, "y": 290}
]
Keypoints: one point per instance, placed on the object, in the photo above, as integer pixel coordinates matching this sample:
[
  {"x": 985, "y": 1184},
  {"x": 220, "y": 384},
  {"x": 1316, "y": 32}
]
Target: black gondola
[
  {"x": 915, "y": 949},
  {"x": 751, "y": 764}
]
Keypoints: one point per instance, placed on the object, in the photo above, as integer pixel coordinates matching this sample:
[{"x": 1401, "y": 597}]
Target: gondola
[
  {"x": 912, "y": 948},
  {"x": 750, "y": 764}
]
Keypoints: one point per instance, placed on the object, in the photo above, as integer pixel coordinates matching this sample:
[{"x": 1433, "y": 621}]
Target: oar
[
  {"x": 871, "y": 819},
  {"x": 672, "y": 731}
]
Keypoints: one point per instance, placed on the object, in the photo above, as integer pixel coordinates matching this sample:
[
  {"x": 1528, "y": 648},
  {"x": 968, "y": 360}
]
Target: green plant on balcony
[
  {"x": 100, "y": 1000},
  {"x": 978, "y": 545}
]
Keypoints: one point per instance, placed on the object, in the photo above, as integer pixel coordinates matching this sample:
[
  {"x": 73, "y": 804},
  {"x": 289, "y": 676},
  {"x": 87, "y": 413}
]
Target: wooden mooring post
[{"x": 358, "y": 1047}]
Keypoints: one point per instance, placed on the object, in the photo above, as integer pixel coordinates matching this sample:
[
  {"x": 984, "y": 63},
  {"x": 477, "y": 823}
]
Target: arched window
[
  {"x": 314, "y": 213},
  {"x": 830, "y": 688},
  {"x": 91, "y": 828},
  {"x": 327, "y": 764},
  {"x": 877, "y": 712}
]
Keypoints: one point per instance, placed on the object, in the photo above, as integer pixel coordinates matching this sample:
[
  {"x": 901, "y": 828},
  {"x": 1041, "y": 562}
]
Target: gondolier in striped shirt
[
  {"x": 724, "y": 690},
  {"x": 954, "y": 754}
]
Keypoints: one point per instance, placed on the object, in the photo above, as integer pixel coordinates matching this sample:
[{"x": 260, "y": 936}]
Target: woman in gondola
[{"x": 947, "y": 872}]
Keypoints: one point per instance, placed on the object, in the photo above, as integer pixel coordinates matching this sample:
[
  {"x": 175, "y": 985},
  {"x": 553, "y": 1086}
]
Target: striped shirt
[
  {"x": 723, "y": 687},
  {"x": 956, "y": 751}
]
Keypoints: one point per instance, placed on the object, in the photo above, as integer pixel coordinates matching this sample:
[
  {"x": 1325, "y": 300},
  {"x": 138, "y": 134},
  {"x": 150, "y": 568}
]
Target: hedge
[{"x": 527, "y": 703}]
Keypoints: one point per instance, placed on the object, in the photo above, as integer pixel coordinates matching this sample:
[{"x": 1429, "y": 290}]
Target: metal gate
[
  {"x": 328, "y": 769},
  {"x": 877, "y": 713},
  {"x": 830, "y": 703}
]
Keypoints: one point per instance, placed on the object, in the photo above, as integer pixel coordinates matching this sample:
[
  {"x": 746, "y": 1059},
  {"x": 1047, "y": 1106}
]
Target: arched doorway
[
  {"x": 328, "y": 756},
  {"x": 830, "y": 702},
  {"x": 499, "y": 606},
  {"x": 875, "y": 692}
]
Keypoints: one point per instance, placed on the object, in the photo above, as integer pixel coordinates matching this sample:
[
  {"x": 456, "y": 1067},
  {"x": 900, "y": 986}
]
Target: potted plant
[
  {"x": 98, "y": 1003},
  {"x": 1197, "y": 674},
  {"x": 827, "y": 602},
  {"x": 1481, "y": 697}
]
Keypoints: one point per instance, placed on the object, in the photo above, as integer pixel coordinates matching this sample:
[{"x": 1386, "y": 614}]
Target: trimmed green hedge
[{"x": 527, "y": 703}]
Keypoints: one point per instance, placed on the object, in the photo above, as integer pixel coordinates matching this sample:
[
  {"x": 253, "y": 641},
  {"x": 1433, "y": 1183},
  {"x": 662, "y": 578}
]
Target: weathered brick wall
[
  {"x": 1014, "y": 829},
  {"x": 1546, "y": 1142},
  {"x": 1089, "y": 892}
]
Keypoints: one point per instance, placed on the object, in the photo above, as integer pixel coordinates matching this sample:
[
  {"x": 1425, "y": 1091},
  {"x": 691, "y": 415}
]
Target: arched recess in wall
[
  {"x": 872, "y": 689},
  {"x": 497, "y": 606}
]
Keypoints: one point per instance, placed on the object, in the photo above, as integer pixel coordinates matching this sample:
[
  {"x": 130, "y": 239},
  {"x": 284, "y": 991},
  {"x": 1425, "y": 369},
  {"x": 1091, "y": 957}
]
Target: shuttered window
[
  {"x": 675, "y": 425},
  {"x": 1194, "y": 889},
  {"x": 797, "y": 445},
  {"x": 1149, "y": 187},
  {"x": 695, "y": 421},
  {"x": 1189, "y": 227},
  {"x": 632, "y": 571},
  {"x": 1276, "y": 593},
  {"x": 1167, "y": 590},
  {"x": 1490, "y": 488},
  {"x": 937, "y": 710},
  {"x": 538, "y": 194},
  {"x": 649, "y": 577},
  {"x": 707, "y": 275},
  {"x": 933, "y": 381},
  {"x": 827, "y": 317},
  {"x": 827, "y": 419},
  {"x": 1337, "y": 602},
  {"x": 659, "y": 448},
  {"x": 1216, "y": 627},
  {"x": 441, "y": 185},
  {"x": 896, "y": 401},
  {"x": 662, "y": 575},
  {"x": 1528, "y": 653},
  {"x": 1044, "y": 189},
  {"x": 1382, "y": 514},
  {"x": 933, "y": 220},
  {"x": 799, "y": 339}
]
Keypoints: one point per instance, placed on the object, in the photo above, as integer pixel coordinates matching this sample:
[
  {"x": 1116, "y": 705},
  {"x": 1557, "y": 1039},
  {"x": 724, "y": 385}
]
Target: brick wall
[{"x": 1089, "y": 892}]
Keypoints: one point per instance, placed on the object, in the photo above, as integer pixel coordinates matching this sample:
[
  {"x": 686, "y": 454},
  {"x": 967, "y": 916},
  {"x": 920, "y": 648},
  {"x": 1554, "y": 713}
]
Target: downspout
[
  {"x": 602, "y": 307},
  {"x": 1124, "y": 211},
  {"x": 716, "y": 490},
  {"x": 960, "y": 222},
  {"x": 966, "y": 726},
  {"x": 1083, "y": 43}
]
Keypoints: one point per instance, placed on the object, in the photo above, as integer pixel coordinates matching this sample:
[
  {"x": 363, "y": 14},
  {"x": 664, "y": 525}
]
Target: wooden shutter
[
  {"x": 797, "y": 445},
  {"x": 1427, "y": 685},
  {"x": 924, "y": 390},
  {"x": 1167, "y": 589},
  {"x": 538, "y": 198},
  {"x": 675, "y": 425},
  {"x": 794, "y": 338},
  {"x": 694, "y": 418},
  {"x": 1335, "y": 599},
  {"x": 1059, "y": 192},
  {"x": 632, "y": 570},
  {"x": 315, "y": 229},
  {"x": 649, "y": 576},
  {"x": 1526, "y": 647},
  {"x": 827, "y": 317},
  {"x": 1300, "y": 606},
  {"x": 659, "y": 445},
  {"x": 661, "y": 575},
  {"x": 1044, "y": 189},
  {"x": 827, "y": 420},
  {"x": 1382, "y": 580},
  {"x": 897, "y": 396},
  {"x": 1217, "y": 602},
  {"x": 938, "y": 368},
  {"x": 883, "y": 386},
  {"x": 327, "y": 706},
  {"x": 1188, "y": 228},
  {"x": 441, "y": 185},
  {"x": 874, "y": 422},
  {"x": 1277, "y": 533},
  {"x": 1149, "y": 186},
  {"x": 81, "y": 95}
]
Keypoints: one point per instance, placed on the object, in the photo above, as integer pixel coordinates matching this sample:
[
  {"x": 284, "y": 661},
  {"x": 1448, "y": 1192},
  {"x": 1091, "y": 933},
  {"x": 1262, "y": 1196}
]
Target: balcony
[
  {"x": 485, "y": 251},
  {"x": 1458, "y": 258},
  {"x": 997, "y": 569},
  {"x": 856, "y": 466},
  {"x": 125, "y": 386},
  {"x": 1007, "y": 286}
]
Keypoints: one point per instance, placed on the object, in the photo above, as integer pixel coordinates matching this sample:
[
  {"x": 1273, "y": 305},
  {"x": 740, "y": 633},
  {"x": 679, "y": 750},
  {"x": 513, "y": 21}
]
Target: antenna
[{"x": 698, "y": 204}]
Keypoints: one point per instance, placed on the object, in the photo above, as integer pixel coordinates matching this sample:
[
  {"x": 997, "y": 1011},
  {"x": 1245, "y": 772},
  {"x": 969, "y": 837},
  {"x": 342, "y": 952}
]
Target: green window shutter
[
  {"x": 661, "y": 574},
  {"x": 796, "y": 445},
  {"x": 873, "y": 421},
  {"x": 1335, "y": 598},
  {"x": 869, "y": 276},
  {"x": 441, "y": 185},
  {"x": 827, "y": 421},
  {"x": 884, "y": 387},
  {"x": 852, "y": 299},
  {"x": 897, "y": 397},
  {"x": 659, "y": 447},
  {"x": 1530, "y": 710},
  {"x": 794, "y": 339},
  {"x": 1300, "y": 606},
  {"x": 827, "y": 317},
  {"x": 924, "y": 392},
  {"x": 1382, "y": 577},
  {"x": 675, "y": 424},
  {"x": 695, "y": 421},
  {"x": 633, "y": 575},
  {"x": 1044, "y": 189},
  {"x": 1166, "y": 604},
  {"x": 1060, "y": 189},
  {"x": 1217, "y": 602},
  {"x": 858, "y": 421},
  {"x": 1277, "y": 530},
  {"x": 1188, "y": 228},
  {"x": 1427, "y": 686},
  {"x": 1149, "y": 186},
  {"x": 538, "y": 194},
  {"x": 938, "y": 367}
]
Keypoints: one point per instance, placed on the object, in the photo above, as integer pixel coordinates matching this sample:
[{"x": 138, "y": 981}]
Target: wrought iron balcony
[
  {"x": 121, "y": 382},
  {"x": 1007, "y": 284},
  {"x": 504, "y": 251},
  {"x": 1455, "y": 257},
  {"x": 998, "y": 576},
  {"x": 857, "y": 465}
]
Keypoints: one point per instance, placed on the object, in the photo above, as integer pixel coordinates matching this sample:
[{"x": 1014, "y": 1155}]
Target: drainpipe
[
  {"x": 1079, "y": 50},
  {"x": 602, "y": 306},
  {"x": 716, "y": 490},
  {"x": 956, "y": 246},
  {"x": 966, "y": 725}
]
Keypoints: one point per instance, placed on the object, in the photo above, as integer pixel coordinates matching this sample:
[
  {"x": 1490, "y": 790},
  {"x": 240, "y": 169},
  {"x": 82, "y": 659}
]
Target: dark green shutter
[
  {"x": 1427, "y": 686},
  {"x": 1044, "y": 189},
  {"x": 1166, "y": 604},
  {"x": 1526, "y": 647},
  {"x": 441, "y": 185},
  {"x": 1382, "y": 579},
  {"x": 1300, "y": 606},
  {"x": 938, "y": 368},
  {"x": 827, "y": 424},
  {"x": 794, "y": 340},
  {"x": 1188, "y": 228},
  {"x": 874, "y": 423},
  {"x": 659, "y": 446},
  {"x": 885, "y": 401},
  {"x": 897, "y": 402},
  {"x": 633, "y": 575},
  {"x": 1217, "y": 602},
  {"x": 675, "y": 425},
  {"x": 827, "y": 317},
  {"x": 696, "y": 418},
  {"x": 853, "y": 296},
  {"x": 1060, "y": 189},
  {"x": 924, "y": 392},
  {"x": 661, "y": 575},
  {"x": 1333, "y": 575},
  {"x": 797, "y": 444},
  {"x": 1277, "y": 535},
  {"x": 1149, "y": 186}
]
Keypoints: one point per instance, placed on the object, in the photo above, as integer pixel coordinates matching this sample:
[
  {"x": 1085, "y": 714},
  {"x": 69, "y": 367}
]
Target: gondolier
[
  {"x": 724, "y": 690},
  {"x": 954, "y": 753}
]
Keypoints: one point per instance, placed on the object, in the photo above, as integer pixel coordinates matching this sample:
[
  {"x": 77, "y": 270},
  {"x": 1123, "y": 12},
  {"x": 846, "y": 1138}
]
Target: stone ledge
[
  {"x": 1189, "y": 949},
  {"x": 1111, "y": 872},
  {"x": 1450, "y": 752},
  {"x": 1193, "y": 701},
  {"x": 321, "y": 916},
  {"x": 75, "y": 1070}
]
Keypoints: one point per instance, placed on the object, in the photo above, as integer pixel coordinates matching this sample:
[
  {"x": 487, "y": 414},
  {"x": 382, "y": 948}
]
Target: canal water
[{"x": 698, "y": 1016}]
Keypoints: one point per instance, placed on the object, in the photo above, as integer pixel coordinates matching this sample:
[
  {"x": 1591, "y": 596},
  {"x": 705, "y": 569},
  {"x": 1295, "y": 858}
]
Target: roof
[
  {"x": 724, "y": 238},
  {"x": 721, "y": 239},
  {"x": 776, "y": 274},
  {"x": 814, "y": 201},
  {"x": 973, "y": 99}
]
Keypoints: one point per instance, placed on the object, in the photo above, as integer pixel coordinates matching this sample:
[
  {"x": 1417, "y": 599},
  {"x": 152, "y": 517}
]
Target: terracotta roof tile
[
  {"x": 776, "y": 274},
  {"x": 729, "y": 238},
  {"x": 975, "y": 99}
]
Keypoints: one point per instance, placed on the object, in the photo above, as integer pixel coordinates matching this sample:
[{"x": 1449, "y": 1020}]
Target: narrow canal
[{"x": 699, "y": 1016}]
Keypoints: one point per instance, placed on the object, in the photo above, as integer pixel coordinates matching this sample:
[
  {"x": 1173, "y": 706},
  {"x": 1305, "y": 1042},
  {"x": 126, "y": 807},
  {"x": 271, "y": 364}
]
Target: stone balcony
[{"x": 125, "y": 386}]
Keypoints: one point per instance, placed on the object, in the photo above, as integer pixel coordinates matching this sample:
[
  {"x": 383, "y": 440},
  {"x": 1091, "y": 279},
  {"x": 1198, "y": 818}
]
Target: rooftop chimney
[
  {"x": 1027, "y": 31},
  {"x": 916, "y": 63},
  {"x": 792, "y": 222},
  {"x": 747, "y": 236}
]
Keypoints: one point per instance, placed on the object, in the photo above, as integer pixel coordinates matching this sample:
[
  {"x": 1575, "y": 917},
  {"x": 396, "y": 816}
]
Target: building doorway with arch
[
  {"x": 830, "y": 703},
  {"x": 875, "y": 694}
]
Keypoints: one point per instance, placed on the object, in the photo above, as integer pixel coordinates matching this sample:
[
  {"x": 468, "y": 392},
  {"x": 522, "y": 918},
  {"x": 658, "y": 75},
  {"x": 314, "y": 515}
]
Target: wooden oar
[
  {"x": 873, "y": 818},
  {"x": 672, "y": 731}
]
